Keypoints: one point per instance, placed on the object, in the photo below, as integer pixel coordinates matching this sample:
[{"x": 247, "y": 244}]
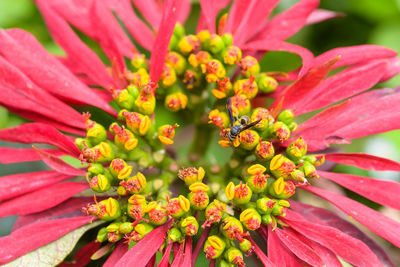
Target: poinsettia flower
[{"x": 137, "y": 216}]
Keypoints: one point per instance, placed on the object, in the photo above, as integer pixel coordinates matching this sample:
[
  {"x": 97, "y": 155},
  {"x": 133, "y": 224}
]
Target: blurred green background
[{"x": 365, "y": 22}]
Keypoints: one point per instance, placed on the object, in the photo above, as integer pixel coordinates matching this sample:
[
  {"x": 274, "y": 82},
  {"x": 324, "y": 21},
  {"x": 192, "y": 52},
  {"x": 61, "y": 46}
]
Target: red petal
[
  {"x": 342, "y": 85},
  {"x": 210, "y": 9},
  {"x": 111, "y": 37},
  {"x": 187, "y": 258},
  {"x": 373, "y": 220},
  {"x": 59, "y": 165},
  {"x": 14, "y": 155},
  {"x": 151, "y": 11},
  {"x": 256, "y": 13},
  {"x": 116, "y": 255},
  {"x": 320, "y": 15},
  {"x": 164, "y": 262},
  {"x": 380, "y": 191},
  {"x": 199, "y": 244},
  {"x": 364, "y": 161},
  {"x": 277, "y": 45},
  {"x": 18, "y": 184},
  {"x": 82, "y": 256},
  {"x": 67, "y": 209},
  {"x": 136, "y": 27},
  {"x": 287, "y": 23},
  {"x": 29, "y": 133},
  {"x": 49, "y": 122},
  {"x": 178, "y": 257},
  {"x": 184, "y": 11},
  {"x": 355, "y": 54},
  {"x": 22, "y": 50},
  {"x": 326, "y": 217},
  {"x": 142, "y": 252},
  {"x": 90, "y": 64},
  {"x": 393, "y": 68},
  {"x": 300, "y": 249},
  {"x": 370, "y": 113},
  {"x": 328, "y": 257},
  {"x": 41, "y": 199},
  {"x": 296, "y": 91},
  {"x": 236, "y": 12},
  {"x": 350, "y": 249},
  {"x": 20, "y": 92},
  {"x": 278, "y": 253},
  {"x": 35, "y": 235},
  {"x": 260, "y": 254},
  {"x": 160, "y": 48}
]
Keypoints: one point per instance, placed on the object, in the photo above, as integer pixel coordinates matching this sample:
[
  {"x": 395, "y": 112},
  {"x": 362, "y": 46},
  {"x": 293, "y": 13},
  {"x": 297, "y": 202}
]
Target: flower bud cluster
[{"x": 131, "y": 162}]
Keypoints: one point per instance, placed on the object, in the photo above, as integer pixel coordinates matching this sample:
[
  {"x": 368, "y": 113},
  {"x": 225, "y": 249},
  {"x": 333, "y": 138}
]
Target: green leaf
[{"x": 53, "y": 253}]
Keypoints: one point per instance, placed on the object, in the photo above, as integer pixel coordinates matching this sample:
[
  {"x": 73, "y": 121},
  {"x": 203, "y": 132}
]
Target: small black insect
[{"x": 238, "y": 125}]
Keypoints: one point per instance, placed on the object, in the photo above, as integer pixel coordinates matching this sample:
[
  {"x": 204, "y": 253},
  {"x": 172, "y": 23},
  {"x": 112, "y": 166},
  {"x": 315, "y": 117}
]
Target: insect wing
[
  {"x": 250, "y": 125},
  {"x": 229, "y": 107}
]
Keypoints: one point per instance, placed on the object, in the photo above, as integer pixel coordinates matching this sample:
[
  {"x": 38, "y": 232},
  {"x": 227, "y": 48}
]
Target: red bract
[{"x": 45, "y": 89}]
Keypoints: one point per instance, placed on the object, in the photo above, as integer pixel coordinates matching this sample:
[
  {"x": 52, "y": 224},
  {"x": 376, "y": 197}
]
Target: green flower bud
[
  {"x": 216, "y": 44},
  {"x": 316, "y": 160},
  {"x": 189, "y": 226},
  {"x": 223, "y": 263},
  {"x": 119, "y": 169},
  {"x": 214, "y": 247},
  {"x": 297, "y": 149},
  {"x": 188, "y": 44},
  {"x": 309, "y": 170},
  {"x": 298, "y": 176},
  {"x": 266, "y": 84},
  {"x": 282, "y": 189},
  {"x": 265, "y": 116},
  {"x": 251, "y": 219},
  {"x": 214, "y": 212},
  {"x": 109, "y": 209},
  {"x": 278, "y": 210},
  {"x": 204, "y": 37},
  {"x": 234, "y": 255},
  {"x": 228, "y": 39},
  {"x": 248, "y": 139},
  {"x": 113, "y": 237},
  {"x": 143, "y": 228},
  {"x": 95, "y": 133},
  {"x": 100, "y": 183},
  {"x": 102, "y": 235},
  {"x": 231, "y": 228},
  {"x": 240, "y": 194},
  {"x": 265, "y": 150},
  {"x": 179, "y": 30},
  {"x": 174, "y": 234},
  {"x": 280, "y": 131},
  {"x": 157, "y": 214},
  {"x": 177, "y": 61},
  {"x": 280, "y": 166},
  {"x": 247, "y": 87},
  {"x": 177, "y": 207},
  {"x": 249, "y": 65},
  {"x": 266, "y": 219},
  {"x": 136, "y": 206},
  {"x": 125, "y": 228},
  {"x": 113, "y": 227},
  {"x": 198, "y": 197},
  {"x": 82, "y": 143},
  {"x": 265, "y": 205},
  {"x": 138, "y": 61},
  {"x": 245, "y": 245},
  {"x": 258, "y": 180},
  {"x": 123, "y": 99},
  {"x": 286, "y": 116},
  {"x": 191, "y": 175},
  {"x": 95, "y": 169}
]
